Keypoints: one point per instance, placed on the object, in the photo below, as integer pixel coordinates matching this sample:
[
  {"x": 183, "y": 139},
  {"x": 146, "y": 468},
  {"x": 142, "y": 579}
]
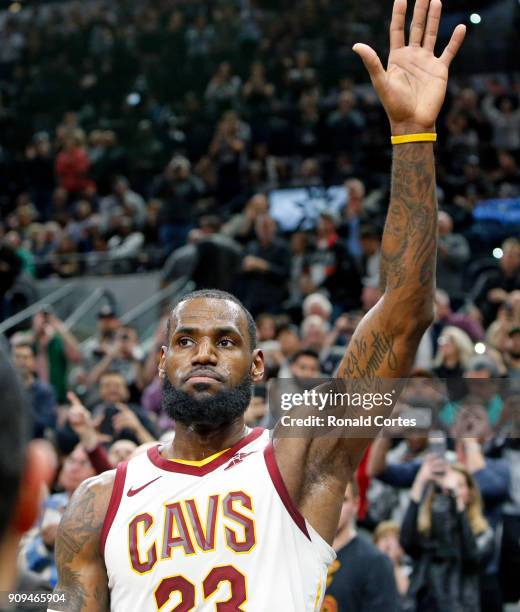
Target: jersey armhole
[
  {"x": 113, "y": 504},
  {"x": 281, "y": 489}
]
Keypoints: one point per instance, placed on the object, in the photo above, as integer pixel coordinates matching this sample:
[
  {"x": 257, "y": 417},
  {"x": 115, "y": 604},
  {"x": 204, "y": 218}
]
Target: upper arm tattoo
[{"x": 77, "y": 553}]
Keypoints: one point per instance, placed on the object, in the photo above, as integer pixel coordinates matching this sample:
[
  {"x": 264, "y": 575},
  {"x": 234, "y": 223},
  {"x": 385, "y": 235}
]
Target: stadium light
[
  {"x": 498, "y": 253},
  {"x": 133, "y": 99},
  {"x": 480, "y": 348},
  {"x": 15, "y": 7},
  {"x": 475, "y": 18}
]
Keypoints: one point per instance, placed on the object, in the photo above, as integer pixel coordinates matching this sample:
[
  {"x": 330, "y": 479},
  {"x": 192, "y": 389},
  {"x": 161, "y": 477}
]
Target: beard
[{"x": 212, "y": 412}]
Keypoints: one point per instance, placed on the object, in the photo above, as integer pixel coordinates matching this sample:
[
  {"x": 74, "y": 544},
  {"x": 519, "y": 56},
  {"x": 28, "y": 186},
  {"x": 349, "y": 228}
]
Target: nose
[{"x": 204, "y": 353}]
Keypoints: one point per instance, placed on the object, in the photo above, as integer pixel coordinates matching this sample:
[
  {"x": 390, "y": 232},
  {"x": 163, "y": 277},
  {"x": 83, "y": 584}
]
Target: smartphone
[
  {"x": 106, "y": 426},
  {"x": 46, "y": 310},
  {"x": 437, "y": 444}
]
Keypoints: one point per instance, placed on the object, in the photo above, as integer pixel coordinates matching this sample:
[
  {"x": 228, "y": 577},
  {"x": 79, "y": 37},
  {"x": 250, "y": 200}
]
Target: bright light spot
[
  {"x": 15, "y": 7},
  {"x": 480, "y": 348},
  {"x": 475, "y": 18},
  {"x": 498, "y": 253},
  {"x": 133, "y": 99}
]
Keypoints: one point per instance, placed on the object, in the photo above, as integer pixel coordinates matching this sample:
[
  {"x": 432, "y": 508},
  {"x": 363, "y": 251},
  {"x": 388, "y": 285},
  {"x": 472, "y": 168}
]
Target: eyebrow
[{"x": 218, "y": 331}]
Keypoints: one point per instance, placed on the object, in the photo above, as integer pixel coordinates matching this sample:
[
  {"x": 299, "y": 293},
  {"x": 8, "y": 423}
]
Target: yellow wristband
[{"x": 405, "y": 138}]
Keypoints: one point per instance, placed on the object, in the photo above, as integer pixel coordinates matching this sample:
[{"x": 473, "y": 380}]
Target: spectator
[
  {"x": 72, "y": 164},
  {"x": 39, "y": 165},
  {"x": 505, "y": 120},
  {"x": 223, "y": 89},
  {"x": 82, "y": 423},
  {"x": 513, "y": 353},
  {"x": 492, "y": 288},
  {"x": 55, "y": 349},
  {"x": 107, "y": 326},
  {"x": 38, "y": 550},
  {"x": 113, "y": 418},
  {"x": 305, "y": 365},
  {"x": 353, "y": 217},
  {"x": 314, "y": 333},
  {"x": 455, "y": 350},
  {"x": 386, "y": 538},
  {"x": 41, "y": 395},
  {"x": 447, "y": 536},
  {"x": 346, "y": 126},
  {"x": 229, "y": 151},
  {"x": 453, "y": 254},
  {"x": 178, "y": 189},
  {"x": 241, "y": 226},
  {"x": 444, "y": 316},
  {"x": 126, "y": 357},
  {"x": 330, "y": 267},
  {"x": 387, "y": 499},
  {"x": 361, "y": 578},
  {"x": 317, "y": 304},
  {"x": 257, "y": 91},
  {"x": 265, "y": 269},
  {"x": 257, "y": 413},
  {"x": 123, "y": 200}
]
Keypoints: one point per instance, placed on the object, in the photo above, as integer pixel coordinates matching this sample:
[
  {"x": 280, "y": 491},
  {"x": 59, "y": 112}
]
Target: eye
[
  {"x": 184, "y": 341},
  {"x": 225, "y": 342}
]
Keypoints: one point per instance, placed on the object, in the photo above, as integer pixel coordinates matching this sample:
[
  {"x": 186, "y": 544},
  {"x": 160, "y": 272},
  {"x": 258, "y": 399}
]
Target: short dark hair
[
  {"x": 216, "y": 294},
  {"x": 112, "y": 373},
  {"x": 14, "y": 436},
  {"x": 304, "y": 353}
]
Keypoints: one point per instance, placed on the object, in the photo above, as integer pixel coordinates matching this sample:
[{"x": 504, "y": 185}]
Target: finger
[
  {"x": 418, "y": 22},
  {"x": 372, "y": 63},
  {"x": 453, "y": 46},
  {"x": 74, "y": 399},
  {"x": 432, "y": 25},
  {"x": 397, "y": 25}
]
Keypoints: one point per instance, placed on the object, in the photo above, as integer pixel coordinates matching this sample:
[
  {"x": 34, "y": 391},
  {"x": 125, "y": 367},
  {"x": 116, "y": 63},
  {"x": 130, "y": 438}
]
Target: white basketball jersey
[{"x": 221, "y": 535}]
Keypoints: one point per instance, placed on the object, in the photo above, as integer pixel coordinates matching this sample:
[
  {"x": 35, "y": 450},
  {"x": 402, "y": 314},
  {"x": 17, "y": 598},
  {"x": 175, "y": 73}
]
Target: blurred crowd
[
  {"x": 135, "y": 136},
  {"x": 124, "y": 125}
]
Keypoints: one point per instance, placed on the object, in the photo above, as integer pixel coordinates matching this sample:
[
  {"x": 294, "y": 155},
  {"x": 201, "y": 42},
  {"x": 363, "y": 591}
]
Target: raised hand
[{"x": 413, "y": 87}]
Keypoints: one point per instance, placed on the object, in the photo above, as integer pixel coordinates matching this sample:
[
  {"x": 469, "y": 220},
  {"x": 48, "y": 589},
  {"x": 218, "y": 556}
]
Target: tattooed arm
[
  {"x": 412, "y": 90},
  {"x": 82, "y": 575}
]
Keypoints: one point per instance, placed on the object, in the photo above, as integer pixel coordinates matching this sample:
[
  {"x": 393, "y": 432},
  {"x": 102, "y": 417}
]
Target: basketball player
[{"x": 222, "y": 519}]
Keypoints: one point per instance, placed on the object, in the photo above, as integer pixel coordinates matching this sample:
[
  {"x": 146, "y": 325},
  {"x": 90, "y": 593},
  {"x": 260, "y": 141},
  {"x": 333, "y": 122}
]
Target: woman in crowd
[{"x": 448, "y": 538}]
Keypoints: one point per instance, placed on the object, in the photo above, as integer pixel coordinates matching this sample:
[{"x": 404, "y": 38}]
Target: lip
[
  {"x": 203, "y": 376},
  {"x": 202, "y": 379}
]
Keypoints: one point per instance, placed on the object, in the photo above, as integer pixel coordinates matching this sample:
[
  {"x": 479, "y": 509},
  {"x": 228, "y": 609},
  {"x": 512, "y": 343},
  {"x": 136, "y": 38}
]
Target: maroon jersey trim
[
  {"x": 279, "y": 485},
  {"x": 113, "y": 504},
  {"x": 170, "y": 465}
]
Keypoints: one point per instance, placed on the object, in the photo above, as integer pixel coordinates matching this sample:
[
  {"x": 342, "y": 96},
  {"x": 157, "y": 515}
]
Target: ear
[
  {"x": 162, "y": 362},
  {"x": 257, "y": 366},
  {"x": 37, "y": 472}
]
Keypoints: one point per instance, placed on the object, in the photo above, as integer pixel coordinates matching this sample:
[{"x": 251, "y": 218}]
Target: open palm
[{"x": 413, "y": 87}]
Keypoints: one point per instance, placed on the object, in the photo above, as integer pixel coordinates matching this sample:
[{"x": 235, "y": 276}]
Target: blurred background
[{"x": 150, "y": 148}]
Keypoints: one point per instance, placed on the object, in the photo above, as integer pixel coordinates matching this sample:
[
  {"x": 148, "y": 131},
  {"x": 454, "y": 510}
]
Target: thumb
[
  {"x": 74, "y": 399},
  {"x": 371, "y": 61}
]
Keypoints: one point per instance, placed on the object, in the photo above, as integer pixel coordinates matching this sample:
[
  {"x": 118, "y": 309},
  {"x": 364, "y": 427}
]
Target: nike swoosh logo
[{"x": 131, "y": 492}]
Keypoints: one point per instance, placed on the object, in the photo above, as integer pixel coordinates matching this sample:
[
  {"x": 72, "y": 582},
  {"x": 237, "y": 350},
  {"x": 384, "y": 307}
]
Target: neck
[
  {"x": 193, "y": 443},
  {"x": 344, "y": 536}
]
